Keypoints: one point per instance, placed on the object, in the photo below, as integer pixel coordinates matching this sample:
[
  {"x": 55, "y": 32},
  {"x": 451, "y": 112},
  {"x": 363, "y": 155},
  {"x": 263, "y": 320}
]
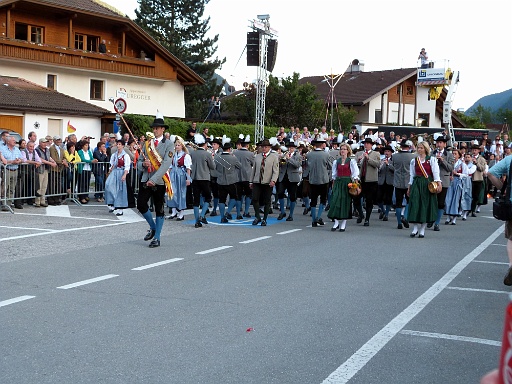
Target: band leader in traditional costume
[
  {"x": 319, "y": 166},
  {"x": 460, "y": 180},
  {"x": 116, "y": 191},
  {"x": 154, "y": 163},
  {"x": 289, "y": 178},
  {"x": 422, "y": 204},
  {"x": 344, "y": 171}
]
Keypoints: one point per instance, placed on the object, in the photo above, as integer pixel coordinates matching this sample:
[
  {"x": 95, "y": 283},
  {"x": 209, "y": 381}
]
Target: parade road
[{"x": 84, "y": 300}]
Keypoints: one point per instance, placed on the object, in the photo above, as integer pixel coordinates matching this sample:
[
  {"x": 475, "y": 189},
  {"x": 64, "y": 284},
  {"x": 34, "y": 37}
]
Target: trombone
[{"x": 222, "y": 162}]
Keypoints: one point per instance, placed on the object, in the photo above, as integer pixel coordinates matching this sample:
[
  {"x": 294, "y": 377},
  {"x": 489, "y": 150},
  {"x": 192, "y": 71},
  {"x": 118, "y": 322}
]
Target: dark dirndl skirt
[
  {"x": 422, "y": 203},
  {"x": 339, "y": 207}
]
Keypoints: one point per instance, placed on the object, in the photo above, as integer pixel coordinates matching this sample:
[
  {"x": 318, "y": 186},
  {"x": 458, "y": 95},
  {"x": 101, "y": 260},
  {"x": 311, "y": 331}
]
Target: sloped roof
[
  {"x": 100, "y": 9},
  {"x": 358, "y": 88},
  {"x": 89, "y": 6},
  {"x": 18, "y": 94}
]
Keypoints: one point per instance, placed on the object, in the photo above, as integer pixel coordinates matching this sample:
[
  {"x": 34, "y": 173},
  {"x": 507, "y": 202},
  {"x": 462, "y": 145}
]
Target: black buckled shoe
[
  {"x": 228, "y": 216},
  {"x": 203, "y": 220},
  {"x": 256, "y": 221},
  {"x": 314, "y": 224},
  {"x": 154, "y": 243},
  {"x": 224, "y": 220},
  {"x": 247, "y": 215},
  {"x": 263, "y": 223},
  {"x": 359, "y": 220},
  {"x": 239, "y": 217},
  {"x": 281, "y": 216},
  {"x": 198, "y": 224},
  {"x": 429, "y": 225},
  {"x": 289, "y": 218},
  {"x": 149, "y": 235},
  {"x": 306, "y": 211},
  {"x": 366, "y": 223},
  {"x": 405, "y": 222},
  {"x": 436, "y": 228},
  {"x": 320, "y": 221}
]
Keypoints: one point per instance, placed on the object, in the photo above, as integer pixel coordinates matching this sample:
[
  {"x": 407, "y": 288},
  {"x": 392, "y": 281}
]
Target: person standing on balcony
[{"x": 102, "y": 48}]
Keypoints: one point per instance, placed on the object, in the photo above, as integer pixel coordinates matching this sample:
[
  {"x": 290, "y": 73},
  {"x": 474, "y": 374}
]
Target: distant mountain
[{"x": 496, "y": 101}]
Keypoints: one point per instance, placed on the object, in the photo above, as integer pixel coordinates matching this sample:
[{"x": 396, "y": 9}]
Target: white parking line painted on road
[
  {"x": 477, "y": 290},
  {"x": 89, "y": 281},
  {"x": 29, "y": 228},
  {"x": 73, "y": 217},
  {"x": 362, "y": 356},
  {"x": 214, "y": 250},
  {"x": 156, "y": 264},
  {"x": 130, "y": 216},
  {"x": 491, "y": 262},
  {"x": 15, "y": 300},
  {"x": 58, "y": 211},
  {"x": 500, "y": 245},
  {"x": 256, "y": 239},
  {"x": 290, "y": 231},
  {"x": 452, "y": 337},
  {"x": 60, "y": 231}
]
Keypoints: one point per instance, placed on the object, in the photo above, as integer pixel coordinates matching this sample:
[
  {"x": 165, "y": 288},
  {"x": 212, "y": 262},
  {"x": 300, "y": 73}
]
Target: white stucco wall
[
  {"x": 144, "y": 96},
  {"x": 84, "y": 126}
]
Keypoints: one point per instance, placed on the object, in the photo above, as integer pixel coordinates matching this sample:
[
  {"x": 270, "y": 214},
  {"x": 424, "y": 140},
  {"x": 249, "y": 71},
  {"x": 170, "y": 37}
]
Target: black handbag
[{"x": 502, "y": 206}]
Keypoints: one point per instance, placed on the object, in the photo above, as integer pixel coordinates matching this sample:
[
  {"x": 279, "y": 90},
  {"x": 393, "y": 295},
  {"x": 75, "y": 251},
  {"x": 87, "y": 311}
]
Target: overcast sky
[{"x": 323, "y": 36}]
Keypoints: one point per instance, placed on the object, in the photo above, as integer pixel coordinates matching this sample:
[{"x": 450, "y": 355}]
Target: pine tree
[{"x": 178, "y": 25}]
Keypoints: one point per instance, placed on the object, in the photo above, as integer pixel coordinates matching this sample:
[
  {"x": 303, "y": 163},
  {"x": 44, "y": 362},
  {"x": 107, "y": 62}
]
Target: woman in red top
[{"x": 344, "y": 170}]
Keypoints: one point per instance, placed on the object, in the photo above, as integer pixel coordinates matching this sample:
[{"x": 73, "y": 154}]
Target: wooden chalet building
[
  {"x": 382, "y": 97},
  {"x": 57, "y": 44}
]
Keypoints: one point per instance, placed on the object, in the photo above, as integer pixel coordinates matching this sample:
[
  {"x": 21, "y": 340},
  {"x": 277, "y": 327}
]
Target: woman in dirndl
[
  {"x": 344, "y": 171},
  {"x": 116, "y": 192},
  {"x": 180, "y": 179},
  {"x": 422, "y": 203},
  {"x": 454, "y": 201}
]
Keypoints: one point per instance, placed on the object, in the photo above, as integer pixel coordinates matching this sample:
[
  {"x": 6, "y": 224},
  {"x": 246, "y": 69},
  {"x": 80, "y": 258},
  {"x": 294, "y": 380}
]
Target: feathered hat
[
  {"x": 159, "y": 121},
  {"x": 199, "y": 139}
]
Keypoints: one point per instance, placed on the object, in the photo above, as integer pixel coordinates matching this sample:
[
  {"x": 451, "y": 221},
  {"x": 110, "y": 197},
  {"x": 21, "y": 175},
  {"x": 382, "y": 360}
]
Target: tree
[
  {"x": 484, "y": 115},
  {"x": 178, "y": 25}
]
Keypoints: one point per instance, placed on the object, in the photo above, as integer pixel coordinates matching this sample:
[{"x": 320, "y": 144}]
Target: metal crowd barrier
[{"x": 42, "y": 186}]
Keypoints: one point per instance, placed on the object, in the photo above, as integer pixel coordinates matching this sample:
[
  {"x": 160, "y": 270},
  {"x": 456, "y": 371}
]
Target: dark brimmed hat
[
  {"x": 159, "y": 121},
  {"x": 442, "y": 138},
  {"x": 290, "y": 143},
  {"x": 227, "y": 146},
  {"x": 388, "y": 148},
  {"x": 476, "y": 146},
  {"x": 264, "y": 143},
  {"x": 318, "y": 140},
  {"x": 216, "y": 141},
  {"x": 368, "y": 140},
  {"x": 406, "y": 143}
]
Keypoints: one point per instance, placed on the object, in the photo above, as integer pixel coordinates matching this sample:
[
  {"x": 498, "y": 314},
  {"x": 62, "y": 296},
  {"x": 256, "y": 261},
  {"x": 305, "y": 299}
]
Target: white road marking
[
  {"x": 478, "y": 290},
  {"x": 256, "y": 239},
  {"x": 130, "y": 216},
  {"x": 29, "y": 228},
  {"x": 60, "y": 231},
  {"x": 491, "y": 262},
  {"x": 58, "y": 211},
  {"x": 452, "y": 337},
  {"x": 156, "y": 264},
  {"x": 233, "y": 222},
  {"x": 214, "y": 250},
  {"x": 362, "y": 356},
  {"x": 89, "y": 281},
  {"x": 489, "y": 217},
  {"x": 15, "y": 300},
  {"x": 73, "y": 217},
  {"x": 290, "y": 231}
]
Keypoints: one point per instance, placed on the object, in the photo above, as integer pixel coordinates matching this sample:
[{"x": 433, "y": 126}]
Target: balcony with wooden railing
[{"x": 20, "y": 50}]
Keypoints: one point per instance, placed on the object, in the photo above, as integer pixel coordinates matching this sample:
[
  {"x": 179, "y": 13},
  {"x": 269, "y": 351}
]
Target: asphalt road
[{"x": 84, "y": 300}]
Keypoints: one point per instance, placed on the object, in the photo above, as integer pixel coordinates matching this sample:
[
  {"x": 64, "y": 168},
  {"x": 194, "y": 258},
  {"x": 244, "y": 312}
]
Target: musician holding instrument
[
  {"x": 422, "y": 203},
  {"x": 179, "y": 172},
  {"x": 246, "y": 159},
  {"x": 154, "y": 162},
  {"x": 227, "y": 166},
  {"x": 289, "y": 178},
  {"x": 445, "y": 160},
  {"x": 318, "y": 164},
  {"x": 215, "y": 151},
  {"x": 369, "y": 162},
  {"x": 202, "y": 165},
  {"x": 401, "y": 163}
]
